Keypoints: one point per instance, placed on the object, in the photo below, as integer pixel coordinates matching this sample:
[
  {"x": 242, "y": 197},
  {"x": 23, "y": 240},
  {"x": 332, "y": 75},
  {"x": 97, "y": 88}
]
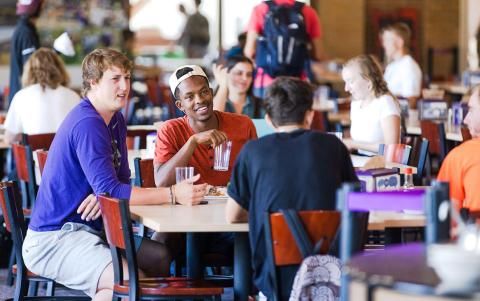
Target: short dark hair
[
  {"x": 287, "y": 100},
  {"x": 180, "y": 73}
]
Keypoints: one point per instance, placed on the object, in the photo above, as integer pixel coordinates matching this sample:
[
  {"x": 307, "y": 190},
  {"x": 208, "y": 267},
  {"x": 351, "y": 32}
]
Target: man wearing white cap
[
  {"x": 24, "y": 41},
  {"x": 190, "y": 140}
]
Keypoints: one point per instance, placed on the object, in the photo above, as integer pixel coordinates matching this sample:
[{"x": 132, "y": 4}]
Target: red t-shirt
[
  {"x": 312, "y": 25},
  {"x": 173, "y": 134}
]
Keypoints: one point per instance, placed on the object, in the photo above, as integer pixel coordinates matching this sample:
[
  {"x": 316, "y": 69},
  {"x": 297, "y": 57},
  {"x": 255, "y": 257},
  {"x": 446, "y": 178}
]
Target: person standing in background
[
  {"x": 196, "y": 35},
  {"x": 402, "y": 74},
  {"x": 24, "y": 41},
  {"x": 256, "y": 28}
]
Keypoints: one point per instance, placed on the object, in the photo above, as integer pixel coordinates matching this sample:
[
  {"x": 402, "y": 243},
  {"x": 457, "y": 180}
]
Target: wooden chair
[
  {"x": 42, "y": 159},
  {"x": 23, "y": 157},
  {"x": 118, "y": 227},
  {"x": 137, "y": 139},
  {"x": 397, "y": 153},
  {"x": 144, "y": 173},
  {"x": 283, "y": 251},
  {"x": 15, "y": 224},
  {"x": 38, "y": 141},
  {"x": 465, "y": 133},
  {"x": 435, "y": 133},
  {"x": 320, "y": 121}
]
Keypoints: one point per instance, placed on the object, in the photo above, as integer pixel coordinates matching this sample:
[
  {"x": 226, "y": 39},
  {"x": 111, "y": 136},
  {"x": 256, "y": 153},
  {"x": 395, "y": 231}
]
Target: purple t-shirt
[{"x": 86, "y": 156}]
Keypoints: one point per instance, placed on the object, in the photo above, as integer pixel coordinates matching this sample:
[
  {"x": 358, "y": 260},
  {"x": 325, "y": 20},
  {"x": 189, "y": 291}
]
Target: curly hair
[
  {"x": 100, "y": 60},
  {"x": 46, "y": 68},
  {"x": 371, "y": 70}
]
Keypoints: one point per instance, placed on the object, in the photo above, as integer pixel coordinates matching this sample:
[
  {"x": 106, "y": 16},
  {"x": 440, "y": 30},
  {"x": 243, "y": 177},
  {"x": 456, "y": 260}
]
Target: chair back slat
[
  {"x": 21, "y": 157},
  {"x": 386, "y": 200},
  {"x": 144, "y": 173},
  {"x": 42, "y": 159},
  {"x": 112, "y": 220},
  {"x": 465, "y": 133},
  {"x": 10, "y": 204},
  {"x": 38, "y": 141},
  {"x": 435, "y": 133},
  {"x": 320, "y": 121},
  {"x": 319, "y": 225}
]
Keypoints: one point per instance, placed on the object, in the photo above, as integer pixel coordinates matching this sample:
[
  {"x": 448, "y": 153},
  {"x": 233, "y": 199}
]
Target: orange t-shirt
[
  {"x": 461, "y": 168},
  {"x": 173, "y": 134}
]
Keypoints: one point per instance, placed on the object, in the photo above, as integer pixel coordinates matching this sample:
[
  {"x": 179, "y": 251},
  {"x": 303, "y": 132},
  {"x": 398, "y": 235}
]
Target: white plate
[{"x": 414, "y": 212}]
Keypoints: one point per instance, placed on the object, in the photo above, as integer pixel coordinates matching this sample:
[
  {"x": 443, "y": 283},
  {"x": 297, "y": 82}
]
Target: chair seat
[{"x": 172, "y": 286}]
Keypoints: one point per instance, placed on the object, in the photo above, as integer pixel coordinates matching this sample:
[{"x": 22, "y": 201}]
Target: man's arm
[
  {"x": 165, "y": 173},
  {"x": 318, "y": 50},
  {"x": 234, "y": 213},
  {"x": 250, "y": 45}
]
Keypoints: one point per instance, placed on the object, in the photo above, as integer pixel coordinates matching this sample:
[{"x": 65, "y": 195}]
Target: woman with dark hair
[
  {"x": 234, "y": 92},
  {"x": 375, "y": 112}
]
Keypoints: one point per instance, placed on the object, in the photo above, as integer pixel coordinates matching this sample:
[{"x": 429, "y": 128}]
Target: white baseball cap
[{"x": 174, "y": 81}]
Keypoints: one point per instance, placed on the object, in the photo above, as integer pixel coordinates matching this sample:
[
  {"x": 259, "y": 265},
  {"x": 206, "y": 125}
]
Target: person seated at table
[
  {"x": 234, "y": 92},
  {"x": 43, "y": 103},
  {"x": 190, "y": 140},
  {"x": 88, "y": 156},
  {"x": 461, "y": 166},
  {"x": 374, "y": 111},
  {"x": 293, "y": 168},
  {"x": 402, "y": 74}
]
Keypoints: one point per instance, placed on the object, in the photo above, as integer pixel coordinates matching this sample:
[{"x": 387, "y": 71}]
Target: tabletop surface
[{"x": 180, "y": 218}]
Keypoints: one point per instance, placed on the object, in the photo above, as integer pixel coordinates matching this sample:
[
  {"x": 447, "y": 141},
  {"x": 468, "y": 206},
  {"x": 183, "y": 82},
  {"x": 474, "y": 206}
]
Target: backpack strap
[
  {"x": 299, "y": 233},
  {"x": 298, "y": 6}
]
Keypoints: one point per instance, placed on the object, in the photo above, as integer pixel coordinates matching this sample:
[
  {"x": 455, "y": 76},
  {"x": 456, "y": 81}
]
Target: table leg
[
  {"x": 194, "y": 268},
  {"x": 241, "y": 267}
]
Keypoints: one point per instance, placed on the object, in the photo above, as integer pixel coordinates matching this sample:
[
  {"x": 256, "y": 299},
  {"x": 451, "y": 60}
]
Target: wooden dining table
[{"x": 200, "y": 219}]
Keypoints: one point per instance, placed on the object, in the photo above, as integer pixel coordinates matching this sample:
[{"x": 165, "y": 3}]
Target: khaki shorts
[{"x": 74, "y": 256}]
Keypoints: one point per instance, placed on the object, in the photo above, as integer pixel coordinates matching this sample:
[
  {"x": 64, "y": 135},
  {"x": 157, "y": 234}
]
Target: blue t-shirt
[
  {"x": 86, "y": 156},
  {"x": 300, "y": 170}
]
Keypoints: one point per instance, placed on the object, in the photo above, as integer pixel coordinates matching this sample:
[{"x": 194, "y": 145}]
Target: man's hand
[
  {"x": 89, "y": 208},
  {"x": 210, "y": 137},
  {"x": 186, "y": 193}
]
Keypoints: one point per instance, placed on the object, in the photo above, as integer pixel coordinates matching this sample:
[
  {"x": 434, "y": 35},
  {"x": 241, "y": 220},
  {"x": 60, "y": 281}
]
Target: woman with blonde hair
[
  {"x": 44, "y": 101},
  {"x": 375, "y": 112}
]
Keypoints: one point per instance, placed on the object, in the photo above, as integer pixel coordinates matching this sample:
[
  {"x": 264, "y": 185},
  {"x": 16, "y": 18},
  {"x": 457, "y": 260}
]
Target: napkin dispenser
[{"x": 379, "y": 179}]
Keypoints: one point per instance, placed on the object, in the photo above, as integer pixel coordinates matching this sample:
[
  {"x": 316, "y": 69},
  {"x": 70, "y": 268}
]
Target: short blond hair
[
  {"x": 46, "y": 68},
  {"x": 100, "y": 60}
]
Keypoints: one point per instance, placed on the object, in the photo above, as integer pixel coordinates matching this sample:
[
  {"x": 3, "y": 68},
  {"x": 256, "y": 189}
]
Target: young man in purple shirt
[{"x": 89, "y": 156}]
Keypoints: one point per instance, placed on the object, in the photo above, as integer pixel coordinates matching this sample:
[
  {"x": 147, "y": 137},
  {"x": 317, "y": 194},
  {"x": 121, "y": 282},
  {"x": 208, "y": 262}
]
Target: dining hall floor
[{"x": 7, "y": 291}]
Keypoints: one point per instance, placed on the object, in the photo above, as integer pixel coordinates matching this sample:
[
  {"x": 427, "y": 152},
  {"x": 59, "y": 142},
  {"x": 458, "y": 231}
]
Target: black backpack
[{"x": 282, "y": 48}]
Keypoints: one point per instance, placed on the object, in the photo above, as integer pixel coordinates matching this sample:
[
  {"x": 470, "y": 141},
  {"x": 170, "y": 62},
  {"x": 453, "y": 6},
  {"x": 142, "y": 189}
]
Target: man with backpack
[{"x": 282, "y": 37}]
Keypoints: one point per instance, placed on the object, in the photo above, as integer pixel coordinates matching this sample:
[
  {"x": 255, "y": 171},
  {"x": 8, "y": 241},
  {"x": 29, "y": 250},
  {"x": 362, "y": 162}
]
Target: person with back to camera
[
  {"x": 375, "y": 112},
  {"x": 43, "y": 103},
  {"x": 402, "y": 74},
  {"x": 65, "y": 239},
  {"x": 234, "y": 92},
  {"x": 293, "y": 168}
]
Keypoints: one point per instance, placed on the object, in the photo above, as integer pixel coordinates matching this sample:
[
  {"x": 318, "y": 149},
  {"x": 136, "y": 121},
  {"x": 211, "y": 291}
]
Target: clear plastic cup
[
  {"x": 221, "y": 157},
  {"x": 183, "y": 173}
]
